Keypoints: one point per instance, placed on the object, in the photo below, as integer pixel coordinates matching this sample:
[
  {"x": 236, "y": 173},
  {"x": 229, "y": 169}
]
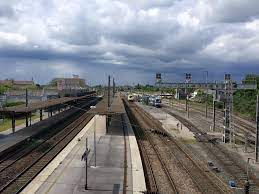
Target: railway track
[
  {"x": 242, "y": 129},
  {"x": 158, "y": 178},
  {"x": 236, "y": 171},
  {"x": 24, "y": 147},
  {"x": 185, "y": 174},
  {"x": 238, "y": 122},
  {"x": 11, "y": 157},
  {"x": 18, "y": 173}
]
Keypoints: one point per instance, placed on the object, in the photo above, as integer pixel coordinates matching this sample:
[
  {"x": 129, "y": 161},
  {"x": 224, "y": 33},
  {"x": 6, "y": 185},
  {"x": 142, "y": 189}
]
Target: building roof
[
  {"x": 23, "y": 82},
  {"x": 116, "y": 107},
  {"x": 40, "y": 105},
  {"x": 16, "y": 82}
]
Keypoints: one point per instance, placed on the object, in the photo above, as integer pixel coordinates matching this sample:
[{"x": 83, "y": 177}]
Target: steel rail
[
  {"x": 153, "y": 188},
  {"x": 227, "y": 161},
  {"x": 13, "y": 157},
  {"x": 199, "y": 171},
  {"x": 164, "y": 167},
  {"x": 62, "y": 142}
]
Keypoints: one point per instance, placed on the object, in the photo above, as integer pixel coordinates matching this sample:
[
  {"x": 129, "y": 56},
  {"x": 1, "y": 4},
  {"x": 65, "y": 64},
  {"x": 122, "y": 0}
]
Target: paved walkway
[{"x": 68, "y": 175}]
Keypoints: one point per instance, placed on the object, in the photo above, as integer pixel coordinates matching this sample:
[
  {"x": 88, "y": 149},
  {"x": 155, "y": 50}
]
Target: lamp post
[
  {"x": 85, "y": 158},
  {"x": 94, "y": 107},
  {"x": 86, "y": 148}
]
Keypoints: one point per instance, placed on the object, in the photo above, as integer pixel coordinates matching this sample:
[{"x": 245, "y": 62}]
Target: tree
[{"x": 251, "y": 79}]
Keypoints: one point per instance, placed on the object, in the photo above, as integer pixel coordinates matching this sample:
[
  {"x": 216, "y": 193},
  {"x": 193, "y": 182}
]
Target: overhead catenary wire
[{"x": 85, "y": 110}]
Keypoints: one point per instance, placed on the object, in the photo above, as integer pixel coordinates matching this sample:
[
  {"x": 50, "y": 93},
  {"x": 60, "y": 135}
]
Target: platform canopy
[
  {"x": 116, "y": 107},
  {"x": 39, "y": 105}
]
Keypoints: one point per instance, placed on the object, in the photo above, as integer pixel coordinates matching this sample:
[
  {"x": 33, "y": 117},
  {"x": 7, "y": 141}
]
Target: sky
[{"x": 128, "y": 39}]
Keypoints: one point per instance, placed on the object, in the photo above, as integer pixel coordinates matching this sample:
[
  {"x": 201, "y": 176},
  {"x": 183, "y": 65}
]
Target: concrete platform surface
[
  {"x": 116, "y": 107},
  {"x": 67, "y": 175},
  {"x": 172, "y": 125}
]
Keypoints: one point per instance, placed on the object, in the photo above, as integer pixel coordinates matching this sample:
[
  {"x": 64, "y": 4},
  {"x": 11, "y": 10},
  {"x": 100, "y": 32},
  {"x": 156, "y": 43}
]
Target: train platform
[
  {"x": 116, "y": 106},
  {"x": 9, "y": 141},
  {"x": 118, "y": 164}
]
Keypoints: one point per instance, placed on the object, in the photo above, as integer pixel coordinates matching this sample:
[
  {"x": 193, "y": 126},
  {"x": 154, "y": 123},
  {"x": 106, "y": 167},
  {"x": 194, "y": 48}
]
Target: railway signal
[
  {"x": 158, "y": 78},
  {"x": 227, "y": 87}
]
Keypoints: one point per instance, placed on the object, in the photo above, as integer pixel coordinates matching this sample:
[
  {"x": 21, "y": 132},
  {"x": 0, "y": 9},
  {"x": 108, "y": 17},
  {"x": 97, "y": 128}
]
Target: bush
[
  {"x": 9, "y": 104},
  {"x": 245, "y": 102}
]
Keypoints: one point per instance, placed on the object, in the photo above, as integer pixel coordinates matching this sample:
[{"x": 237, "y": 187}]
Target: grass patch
[
  {"x": 7, "y": 124},
  {"x": 188, "y": 141},
  {"x": 174, "y": 129},
  {"x": 10, "y": 104}
]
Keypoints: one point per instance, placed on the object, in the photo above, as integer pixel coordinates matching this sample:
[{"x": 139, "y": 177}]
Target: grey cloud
[
  {"x": 235, "y": 10},
  {"x": 129, "y": 39},
  {"x": 6, "y": 11}
]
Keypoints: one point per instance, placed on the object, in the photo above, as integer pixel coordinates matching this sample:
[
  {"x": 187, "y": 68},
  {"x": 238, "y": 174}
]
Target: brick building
[{"x": 70, "y": 83}]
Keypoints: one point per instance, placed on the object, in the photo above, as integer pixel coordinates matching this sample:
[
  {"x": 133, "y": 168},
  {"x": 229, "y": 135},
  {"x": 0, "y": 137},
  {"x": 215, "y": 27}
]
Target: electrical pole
[
  {"x": 108, "y": 118},
  {"x": 26, "y": 103},
  {"x": 109, "y": 88},
  {"x": 247, "y": 183},
  {"x": 172, "y": 98},
  {"x": 113, "y": 87},
  {"x": 206, "y": 104},
  {"x": 257, "y": 128},
  {"x": 228, "y": 108},
  {"x": 214, "y": 110},
  {"x": 246, "y": 141},
  {"x": 186, "y": 97},
  {"x": 187, "y": 80},
  {"x": 95, "y": 141},
  {"x": 188, "y": 113}
]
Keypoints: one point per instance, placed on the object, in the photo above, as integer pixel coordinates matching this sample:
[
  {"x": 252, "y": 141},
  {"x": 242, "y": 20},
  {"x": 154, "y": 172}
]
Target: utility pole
[
  {"x": 188, "y": 113},
  {"x": 186, "y": 97},
  {"x": 172, "y": 98},
  {"x": 206, "y": 104},
  {"x": 108, "y": 118},
  {"x": 215, "y": 96},
  {"x": 214, "y": 114},
  {"x": 228, "y": 108},
  {"x": 95, "y": 141},
  {"x": 247, "y": 183},
  {"x": 188, "y": 78},
  {"x": 246, "y": 141},
  {"x": 26, "y": 103},
  {"x": 113, "y": 87},
  {"x": 257, "y": 129},
  {"x": 109, "y": 88}
]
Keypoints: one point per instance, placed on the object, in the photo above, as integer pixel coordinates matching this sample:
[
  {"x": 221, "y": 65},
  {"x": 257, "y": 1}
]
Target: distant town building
[
  {"x": 69, "y": 83},
  {"x": 17, "y": 83}
]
